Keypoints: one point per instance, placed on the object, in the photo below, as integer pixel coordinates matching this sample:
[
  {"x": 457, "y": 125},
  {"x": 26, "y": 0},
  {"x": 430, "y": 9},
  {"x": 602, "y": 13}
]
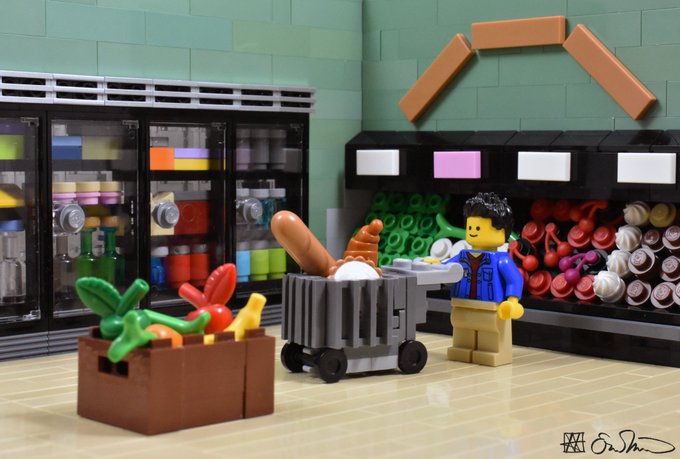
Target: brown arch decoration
[{"x": 582, "y": 45}]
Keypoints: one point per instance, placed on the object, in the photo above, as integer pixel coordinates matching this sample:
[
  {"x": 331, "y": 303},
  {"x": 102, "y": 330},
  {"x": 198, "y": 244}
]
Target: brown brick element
[
  {"x": 433, "y": 81},
  {"x": 548, "y": 30},
  {"x": 160, "y": 389},
  {"x": 609, "y": 72}
]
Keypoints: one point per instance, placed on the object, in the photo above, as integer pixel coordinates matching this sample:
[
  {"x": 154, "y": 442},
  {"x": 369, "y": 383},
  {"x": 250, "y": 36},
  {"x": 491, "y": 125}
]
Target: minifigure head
[{"x": 488, "y": 221}]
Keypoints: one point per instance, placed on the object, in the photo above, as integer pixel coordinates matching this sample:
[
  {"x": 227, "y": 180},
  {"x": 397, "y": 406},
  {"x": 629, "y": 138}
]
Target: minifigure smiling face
[{"x": 481, "y": 234}]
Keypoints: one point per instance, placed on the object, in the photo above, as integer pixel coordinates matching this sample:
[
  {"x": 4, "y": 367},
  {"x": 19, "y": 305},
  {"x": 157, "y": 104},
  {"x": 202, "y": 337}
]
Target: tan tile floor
[{"x": 448, "y": 410}]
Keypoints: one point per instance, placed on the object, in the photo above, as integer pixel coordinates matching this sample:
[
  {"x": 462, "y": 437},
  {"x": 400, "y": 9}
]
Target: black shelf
[
  {"x": 607, "y": 310},
  {"x": 631, "y": 348},
  {"x": 186, "y": 175},
  {"x": 14, "y": 165},
  {"x": 87, "y": 164},
  {"x": 263, "y": 287},
  {"x": 597, "y": 309},
  {"x": 268, "y": 175}
]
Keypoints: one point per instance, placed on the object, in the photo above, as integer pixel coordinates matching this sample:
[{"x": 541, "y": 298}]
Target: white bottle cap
[
  {"x": 180, "y": 250},
  {"x": 259, "y": 193},
  {"x": 277, "y": 193},
  {"x": 160, "y": 252}
]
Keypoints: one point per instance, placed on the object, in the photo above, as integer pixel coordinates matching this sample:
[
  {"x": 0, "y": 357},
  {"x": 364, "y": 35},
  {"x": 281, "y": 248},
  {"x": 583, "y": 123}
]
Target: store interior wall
[
  {"x": 532, "y": 88},
  {"x": 288, "y": 42},
  {"x": 361, "y": 56}
]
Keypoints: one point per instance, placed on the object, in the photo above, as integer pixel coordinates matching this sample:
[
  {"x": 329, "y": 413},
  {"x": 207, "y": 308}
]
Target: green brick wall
[
  {"x": 362, "y": 56},
  {"x": 526, "y": 88},
  {"x": 290, "y": 42}
]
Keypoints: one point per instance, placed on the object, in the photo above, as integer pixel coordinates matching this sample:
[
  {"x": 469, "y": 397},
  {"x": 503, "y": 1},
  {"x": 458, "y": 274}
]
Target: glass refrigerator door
[
  {"x": 18, "y": 224},
  {"x": 94, "y": 196},
  {"x": 269, "y": 164},
  {"x": 187, "y": 214}
]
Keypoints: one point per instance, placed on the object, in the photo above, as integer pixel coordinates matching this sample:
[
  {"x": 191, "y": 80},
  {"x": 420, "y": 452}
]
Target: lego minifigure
[{"x": 488, "y": 294}]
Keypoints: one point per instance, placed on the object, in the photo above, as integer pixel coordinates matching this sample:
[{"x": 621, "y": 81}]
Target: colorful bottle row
[
  {"x": 262, "y": 149},
  {"x": 178, "y": 264},
  {"x": 109, "y": 266},
  {"x": 259, "y": 264}
]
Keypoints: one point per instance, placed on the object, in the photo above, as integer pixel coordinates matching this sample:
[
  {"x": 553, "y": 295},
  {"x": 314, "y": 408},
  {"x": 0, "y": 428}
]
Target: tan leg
[
  {"x": 494, "y": 348},
  {"x": 464, "y": 338},
  {"x": 464, "y": 342}
]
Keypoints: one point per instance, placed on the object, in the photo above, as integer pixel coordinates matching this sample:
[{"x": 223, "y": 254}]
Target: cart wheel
[
  {"x": 412, "y": 357},
  {"x": 331, "y": 364},
  {"x": 291, "y": 357}
]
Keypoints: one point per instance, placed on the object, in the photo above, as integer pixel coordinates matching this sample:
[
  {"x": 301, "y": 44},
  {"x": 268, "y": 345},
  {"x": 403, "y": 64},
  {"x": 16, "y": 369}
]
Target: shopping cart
[{"x": 339, "y": 327}]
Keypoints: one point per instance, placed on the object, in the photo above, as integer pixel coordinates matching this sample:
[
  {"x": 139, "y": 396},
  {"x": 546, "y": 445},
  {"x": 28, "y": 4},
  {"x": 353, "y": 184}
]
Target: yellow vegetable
[{"x": 248, "y": 317}]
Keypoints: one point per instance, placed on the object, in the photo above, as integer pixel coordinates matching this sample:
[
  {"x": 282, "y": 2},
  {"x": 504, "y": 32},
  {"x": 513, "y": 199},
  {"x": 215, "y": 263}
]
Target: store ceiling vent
[{"x": 47, "y": 88}]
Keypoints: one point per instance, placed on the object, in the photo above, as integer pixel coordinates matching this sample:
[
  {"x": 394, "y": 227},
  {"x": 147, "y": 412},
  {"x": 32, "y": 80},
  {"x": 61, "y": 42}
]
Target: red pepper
[{"x": 219, "y": 287}]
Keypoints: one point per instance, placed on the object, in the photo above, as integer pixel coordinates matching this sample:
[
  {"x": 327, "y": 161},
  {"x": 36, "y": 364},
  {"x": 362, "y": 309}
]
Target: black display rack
[
  {"x": 60, "y": 332},
  {"x": 605, "y": 330}
]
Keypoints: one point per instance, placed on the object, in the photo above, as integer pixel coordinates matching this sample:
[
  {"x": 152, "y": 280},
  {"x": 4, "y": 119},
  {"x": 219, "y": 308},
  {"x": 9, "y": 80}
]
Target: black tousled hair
[{"x": 490, "y": 205}]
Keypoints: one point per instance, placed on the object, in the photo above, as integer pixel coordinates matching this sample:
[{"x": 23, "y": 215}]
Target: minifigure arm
[
  {"x": 453, "y": 259},
  {"x": 512, "y": 277},
  {"x": 459, "y": 270},
  {"x": 514, "y": 282}
]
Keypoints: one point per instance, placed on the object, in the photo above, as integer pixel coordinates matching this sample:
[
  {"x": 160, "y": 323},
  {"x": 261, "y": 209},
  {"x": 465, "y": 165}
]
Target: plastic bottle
[
  {"x": 199, "y": 264},
  {"x": 86, "y": 260},
  {"x": 277, "y": 142},
  {"x": 105, "y": 265},
  {"x": 242, "y": 261},
  {"x": 260, "y": 142},
  {"x": 244, "y": 150},
  {"x": 178, "y": 265},
  {"x": 277, "y": 261},
  {"x": 64, "y": 272},
  {"x": 259, "y": 260},
  {"x": 279, "y": 197},
  {"x": 158, "y": 255},
  {"x": 12, "y": 271}
]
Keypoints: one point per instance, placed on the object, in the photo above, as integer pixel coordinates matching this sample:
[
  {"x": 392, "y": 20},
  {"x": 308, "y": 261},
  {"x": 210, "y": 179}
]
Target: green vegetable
[
  {"x": 132, "y": 337},
  {"x": 105, "y": 301},
  {"x": 124, "y": 325},
  {"x": 179, "y": 325}
]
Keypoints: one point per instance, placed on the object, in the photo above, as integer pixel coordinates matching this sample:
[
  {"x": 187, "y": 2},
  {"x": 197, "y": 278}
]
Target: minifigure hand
[{"x": 510, "y": 309}]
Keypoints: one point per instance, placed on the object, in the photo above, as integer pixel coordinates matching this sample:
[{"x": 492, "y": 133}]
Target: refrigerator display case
[
  {"x": 20, "y": 305},
  {"x": 126, "y": 178},
  {"x": 269, "y": 165},
  {"x": 94, "y": 183},
  {"x": 187, "y": 212}
]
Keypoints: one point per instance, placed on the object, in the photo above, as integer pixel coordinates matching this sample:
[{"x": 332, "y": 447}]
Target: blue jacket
[{"x": 497, "y": 277}]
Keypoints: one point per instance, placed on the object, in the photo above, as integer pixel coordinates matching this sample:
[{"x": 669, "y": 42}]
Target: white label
[
  {"x": 646, "y": 168},
  {"x": 378, "y": 162},
  {"x": 552, "y": 166}
]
